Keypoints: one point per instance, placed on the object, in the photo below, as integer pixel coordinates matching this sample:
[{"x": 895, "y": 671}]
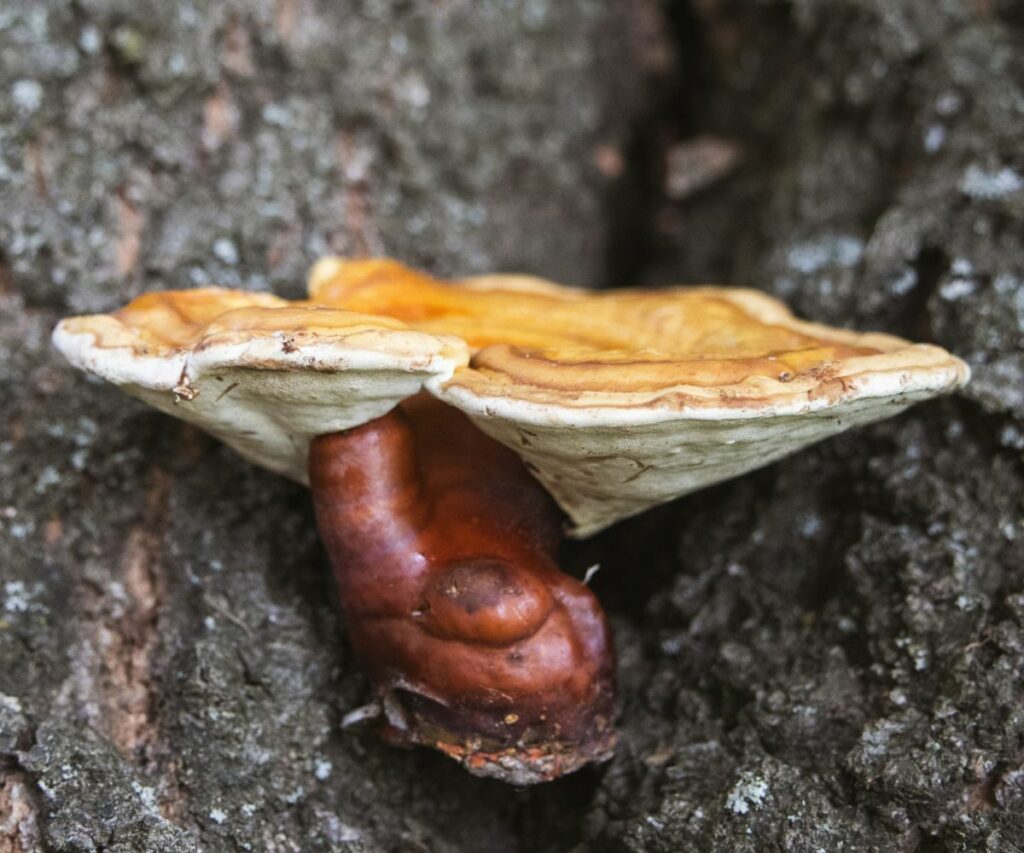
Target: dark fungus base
[{"x": 445, "y": 552}]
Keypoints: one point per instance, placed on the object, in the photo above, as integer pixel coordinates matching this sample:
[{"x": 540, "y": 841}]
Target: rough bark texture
[{"x": 825, "y": 655}]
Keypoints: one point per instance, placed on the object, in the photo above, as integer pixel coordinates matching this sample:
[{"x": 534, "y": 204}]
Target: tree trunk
[{"x": 825, "y": 654}]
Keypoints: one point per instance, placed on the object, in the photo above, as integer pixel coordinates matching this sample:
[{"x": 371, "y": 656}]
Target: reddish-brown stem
[{"x": 445, "y": 552}]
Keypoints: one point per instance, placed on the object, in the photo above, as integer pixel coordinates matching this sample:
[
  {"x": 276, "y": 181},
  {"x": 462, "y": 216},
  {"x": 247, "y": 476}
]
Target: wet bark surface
[{"x": 826, "y": 654}]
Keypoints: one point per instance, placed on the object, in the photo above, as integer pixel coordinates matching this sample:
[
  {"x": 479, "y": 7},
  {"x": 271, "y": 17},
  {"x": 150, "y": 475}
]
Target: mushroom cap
[
  {"x": 261, "y": 373},
  {"x": 621, "y": 400},
  {"x": 616, "y": 400}
]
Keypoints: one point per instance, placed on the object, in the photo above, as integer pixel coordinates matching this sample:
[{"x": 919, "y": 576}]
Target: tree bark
[{"x": 826, "y": 653}]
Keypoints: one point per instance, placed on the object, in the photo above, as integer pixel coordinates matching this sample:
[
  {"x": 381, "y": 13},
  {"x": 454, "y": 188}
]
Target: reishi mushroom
[{"x": 451, "y": 430}]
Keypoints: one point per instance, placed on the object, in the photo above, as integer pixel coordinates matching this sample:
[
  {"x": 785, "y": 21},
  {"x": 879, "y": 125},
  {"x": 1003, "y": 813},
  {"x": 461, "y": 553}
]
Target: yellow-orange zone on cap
[{"x": 547, "y": 343}]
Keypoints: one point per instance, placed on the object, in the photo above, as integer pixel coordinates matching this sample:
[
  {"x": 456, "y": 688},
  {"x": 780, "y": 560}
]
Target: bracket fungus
[{"x": 418, "y": 410}]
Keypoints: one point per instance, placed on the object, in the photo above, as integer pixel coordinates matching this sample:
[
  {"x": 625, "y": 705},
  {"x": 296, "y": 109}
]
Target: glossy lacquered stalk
[{"x": 445, "y": 553}]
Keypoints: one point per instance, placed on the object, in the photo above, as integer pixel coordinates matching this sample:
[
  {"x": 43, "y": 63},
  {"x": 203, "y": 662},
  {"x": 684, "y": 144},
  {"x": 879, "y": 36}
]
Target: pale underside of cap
[
  {"x": 264, "y": 375},
  {"x": 604, "y": 465},
  {"x": 617, "y": 401}
]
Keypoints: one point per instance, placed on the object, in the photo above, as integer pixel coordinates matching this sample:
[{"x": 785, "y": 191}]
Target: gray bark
[{"x": 825, "y": 654}]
